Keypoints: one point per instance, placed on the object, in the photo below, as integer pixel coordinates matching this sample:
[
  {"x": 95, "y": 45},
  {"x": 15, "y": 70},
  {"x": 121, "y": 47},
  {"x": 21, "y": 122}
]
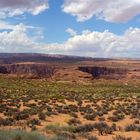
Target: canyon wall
[
  {"x": 104, "y": 72},
  {"x": 33, "y": 70}
]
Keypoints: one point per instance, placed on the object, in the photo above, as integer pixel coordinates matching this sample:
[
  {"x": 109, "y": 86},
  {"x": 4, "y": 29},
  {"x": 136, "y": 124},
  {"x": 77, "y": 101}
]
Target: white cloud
[
  {"x": 113, "y": 11},
  {"x": 5, "y": 25},
  {"x": 10, "y": 8},
  {"x": 71, "y": 32},
  {"x": 16, "y": 39},
  {"x": 99, "y": 44},
  {"x": 88, "y": 43}
]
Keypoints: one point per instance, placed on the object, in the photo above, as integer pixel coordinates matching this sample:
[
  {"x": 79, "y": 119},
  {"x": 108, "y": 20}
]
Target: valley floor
[{"x": 104, "y": 110}]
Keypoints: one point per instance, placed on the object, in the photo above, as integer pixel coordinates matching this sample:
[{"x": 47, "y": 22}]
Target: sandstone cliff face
[
  {"x": 104, "y": 72},
  {"x": 33, "y": 70}
]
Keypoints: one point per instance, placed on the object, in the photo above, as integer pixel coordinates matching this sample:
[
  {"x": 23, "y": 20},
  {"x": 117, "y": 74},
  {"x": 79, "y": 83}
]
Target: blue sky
[{"x": 85, "y": 27}]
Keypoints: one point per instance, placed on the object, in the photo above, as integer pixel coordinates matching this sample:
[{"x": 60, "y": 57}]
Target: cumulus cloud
[
  {"x": 5, "y": 25},
  {"x": 14, "y": 38},
  {"x": 71, "y": 32},
  {"x": 9, "y": 8},
  {"x": 112, "y": 11},
  {"x": 99, "y": 44}
]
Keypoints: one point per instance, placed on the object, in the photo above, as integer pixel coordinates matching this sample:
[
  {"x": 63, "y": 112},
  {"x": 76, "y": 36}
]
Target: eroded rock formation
[
  {"x": 104, "y": 72},
  {"x": 33, "y": 70}
]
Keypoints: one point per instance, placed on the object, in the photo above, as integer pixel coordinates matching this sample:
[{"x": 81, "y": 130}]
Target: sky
[{"x": 91, "y": 28}]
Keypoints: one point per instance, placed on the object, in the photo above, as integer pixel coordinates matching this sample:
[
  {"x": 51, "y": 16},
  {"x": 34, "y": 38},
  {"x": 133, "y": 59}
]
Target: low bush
[
  {"x": 20, "y": 135},
  {"x": 42, "y": 116},
  {"x": 74, "y": 121},
  {"x": 136, "y": 122},
  {"x": 84, "y": 128},
  {"x": 92, "y": 138},
  {"x": 131, "y": 127},
  {"x": 57, "y": 128},
  {"x": 119, "y": 137},
  {"x": 33, "y": 122}
]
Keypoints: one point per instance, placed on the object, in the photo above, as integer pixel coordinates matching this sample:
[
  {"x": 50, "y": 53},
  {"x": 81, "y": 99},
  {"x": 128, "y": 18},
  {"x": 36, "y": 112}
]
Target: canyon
[{"x": 67, "y": 68}]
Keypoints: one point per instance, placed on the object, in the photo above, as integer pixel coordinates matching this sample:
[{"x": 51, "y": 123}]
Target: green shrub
[
  {"x": 58, "y": 138},
  {"x": 119, "y": 137},
  {"x": 84, "y": 128},
  {"x": 90, "y": 117},
  {"x": 56, "y": 128},
  {"x": 74, "y": 121},
  {"x": 42, "y": 116},
  {"x": 92, "y": 138},
  {"x": 33, "y": 122},
  {"x": 20, "y": 135},
  {"x": 131, "y": 127}
]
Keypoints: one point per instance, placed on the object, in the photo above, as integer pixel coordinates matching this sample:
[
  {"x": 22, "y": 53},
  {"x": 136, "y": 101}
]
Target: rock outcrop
[
  {"x": 105, "y": 72},
  {"x": 3, "y": 70},
  {"x": 29, "y": 70}
]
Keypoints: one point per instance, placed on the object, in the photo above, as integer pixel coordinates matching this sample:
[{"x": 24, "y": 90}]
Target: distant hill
[{"x": 9, "y": 58}]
